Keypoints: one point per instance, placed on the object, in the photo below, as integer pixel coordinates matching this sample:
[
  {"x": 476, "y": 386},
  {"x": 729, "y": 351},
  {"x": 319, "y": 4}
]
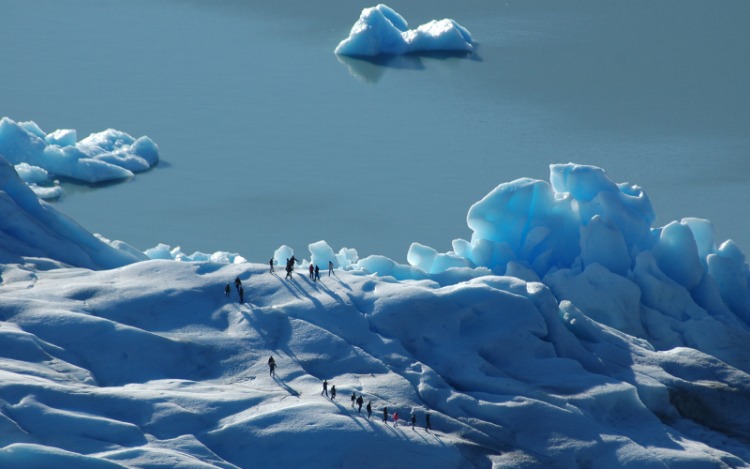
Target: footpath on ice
[{"x": 567, "y": 332}]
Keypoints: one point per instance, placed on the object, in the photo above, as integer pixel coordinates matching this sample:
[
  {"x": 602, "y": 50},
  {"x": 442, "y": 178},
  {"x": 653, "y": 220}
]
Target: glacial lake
[{"x": 267, "y": 138}]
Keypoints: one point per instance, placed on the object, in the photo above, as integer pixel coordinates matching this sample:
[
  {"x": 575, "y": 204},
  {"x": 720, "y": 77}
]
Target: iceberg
[
  {"x": 380, "y": 30},
  {"x": 105, "y": 156}
]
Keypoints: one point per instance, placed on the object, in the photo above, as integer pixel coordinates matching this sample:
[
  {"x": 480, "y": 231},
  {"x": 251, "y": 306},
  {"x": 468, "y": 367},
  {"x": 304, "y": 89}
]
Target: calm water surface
[{"x": 267, "y": 138}]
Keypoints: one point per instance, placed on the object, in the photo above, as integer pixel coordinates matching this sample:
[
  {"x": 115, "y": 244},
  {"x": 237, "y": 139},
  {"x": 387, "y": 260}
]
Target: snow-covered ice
[
  {"x": 568, "y": 332},
  {"x": 381, "y": 30}
]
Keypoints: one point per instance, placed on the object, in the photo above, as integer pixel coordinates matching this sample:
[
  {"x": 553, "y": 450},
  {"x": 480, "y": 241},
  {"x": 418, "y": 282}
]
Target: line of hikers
[
  {"x": 358, "y": 401},
  {"x": 314, "y": 276},
  {"x": 238, "y": 286},
  {"x": 314, "y": 269}
]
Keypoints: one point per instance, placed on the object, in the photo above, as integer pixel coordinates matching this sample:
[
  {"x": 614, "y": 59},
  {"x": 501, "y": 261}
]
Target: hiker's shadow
[
  {"x": 288, "y": 388},
  {"x": 351, "y": 415}
]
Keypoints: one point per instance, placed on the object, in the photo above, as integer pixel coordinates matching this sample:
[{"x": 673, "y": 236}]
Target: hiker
[
  {"x": 272, "y": 366},
  {"x": 311, "y": 271},
  {"x": 227, "y": 290},
  {"x": 288, "y": 269},
  {"x": 242, "y": 295},
  {"x": 360, "y": 401},
  {"x": 369, "y": 409},
  {"x": 325, "y": 388},
  {"x": 330, "y": 268},
  {"x": 317, "y": 273},
  {"x": 413, "y": 421},
  {"x": 237, "y": 283},
  {"x": 271, "y": 263},
  {"x": 354, "y": 398},
  {"x": 385, "y": 415},
  {"x": 333, "y": 392},
  {"x": 427, "y": 425},
  {"x": 395, "y": 418}
]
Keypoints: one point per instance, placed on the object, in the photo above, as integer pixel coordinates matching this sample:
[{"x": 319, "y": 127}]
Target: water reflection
[{"x": 371, "y": 69}]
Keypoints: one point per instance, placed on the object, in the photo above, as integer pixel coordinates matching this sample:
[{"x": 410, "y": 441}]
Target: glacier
[
  {"x": 567, "y": 332},
  {"x": 381, "y": 30}
]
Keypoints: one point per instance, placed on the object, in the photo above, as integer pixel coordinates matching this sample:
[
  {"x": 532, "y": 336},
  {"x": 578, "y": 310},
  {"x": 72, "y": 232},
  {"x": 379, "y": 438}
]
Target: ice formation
[
  {"x": 568, "y": 332},
  {"x": 101, "y": 157},
  {"x": 380, "y": 30},
  {"x": 30, "y": 227}
]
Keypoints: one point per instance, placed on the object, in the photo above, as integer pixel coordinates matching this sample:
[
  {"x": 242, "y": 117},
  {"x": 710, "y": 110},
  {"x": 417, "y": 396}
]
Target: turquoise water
[{"x": 267, "y": 138}]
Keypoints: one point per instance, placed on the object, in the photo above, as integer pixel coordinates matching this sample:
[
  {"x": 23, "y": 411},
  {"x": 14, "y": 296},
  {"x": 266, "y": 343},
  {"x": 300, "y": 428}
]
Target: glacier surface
[{"x": 567, "y": 332}]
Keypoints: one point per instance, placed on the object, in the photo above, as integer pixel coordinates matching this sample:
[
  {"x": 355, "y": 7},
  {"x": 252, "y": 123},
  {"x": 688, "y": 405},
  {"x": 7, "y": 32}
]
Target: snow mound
[{"x": 380, "y": 30}]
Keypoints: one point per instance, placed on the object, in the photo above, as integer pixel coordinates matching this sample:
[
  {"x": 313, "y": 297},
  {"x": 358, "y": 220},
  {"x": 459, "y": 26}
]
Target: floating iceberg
[
  {"x": 101, "y": 157},
  {"x": 380, "y": 30}
]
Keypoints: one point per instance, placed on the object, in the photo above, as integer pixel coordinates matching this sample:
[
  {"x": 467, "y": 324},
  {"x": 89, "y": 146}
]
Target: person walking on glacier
[
  {"x": 360, "y": 401},
  {"x": 237, "y": 283},
  {"x": 330, "y": 268},
  {"x": 242, "y": 294},
  {"x": 271, "y": 264},
  {"x": 333, "y": 392},
  {"x": 354, "y": 399},
  {"x": 369, "y": 409},
  {"x": 325, "y": 388},
  {"x": 227, "y": 290},
  {"x": 289, "y": 268},
  {"x": 272, "y": 366},
  {"x": 312, "y": 270},
  {"x": 317, "y": 273}
]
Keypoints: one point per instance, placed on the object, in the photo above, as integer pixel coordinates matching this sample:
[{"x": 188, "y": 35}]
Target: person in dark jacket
[
  {"x": 237, "y": 283},
  {"x": 369, "y": 409},
  {"x": 272, "y": 366},
  {"x": 325, "y": 388},
  {"x": 360, "y": 401},
  {"x": 317, "y": 273},
  {"x": 227, "y": 290},
  {"x": 271, "y": 264},
  {"x": 354, "y": 398},
  {"x": 333, "y": 392},
  {"x": 385, "y": 415}
]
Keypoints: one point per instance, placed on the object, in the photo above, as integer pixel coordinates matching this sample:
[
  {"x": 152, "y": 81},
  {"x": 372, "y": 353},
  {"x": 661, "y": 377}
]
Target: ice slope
[
  {"x": 572, "y": 342},
  {"x": 30, "y": 228}
]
